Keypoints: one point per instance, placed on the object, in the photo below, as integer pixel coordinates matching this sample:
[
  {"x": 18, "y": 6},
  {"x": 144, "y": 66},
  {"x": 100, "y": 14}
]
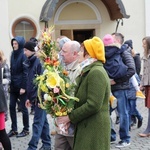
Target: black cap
[
  {"x": 129, "y": 43},
  {"x": 30, "y": 46}
]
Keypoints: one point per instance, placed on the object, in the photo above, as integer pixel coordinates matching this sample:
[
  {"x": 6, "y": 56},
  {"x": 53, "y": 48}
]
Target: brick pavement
[{"x": 137, "y": 143}]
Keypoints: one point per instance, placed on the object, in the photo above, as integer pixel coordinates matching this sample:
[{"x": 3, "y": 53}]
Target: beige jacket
[
  {"x": 74, "y": 70},
  {"x": 146, "y": 71}
]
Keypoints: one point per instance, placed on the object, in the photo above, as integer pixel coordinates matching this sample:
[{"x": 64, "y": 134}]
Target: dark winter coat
[
  {"x": 17, "y": 68},
  {"x": 91, "y": 114},
  {"x": 114, "y": 64},
  {"x": 123, "y": 82},
  {"x": 34, "y": 68},
  {"x": 137, "y": 61}
]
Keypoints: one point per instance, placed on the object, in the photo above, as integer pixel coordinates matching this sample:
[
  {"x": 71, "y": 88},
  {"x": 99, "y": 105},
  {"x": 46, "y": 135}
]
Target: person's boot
[
  {"x": 134, "y": 119},
  {"x": 140, "y": 121}
]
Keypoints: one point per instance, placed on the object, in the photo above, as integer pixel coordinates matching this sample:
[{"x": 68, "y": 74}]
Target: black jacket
[
  {"x": 123, "y": 83},
  {"x": 114, "y": 64},
  {"x": 18, "y": 69},
  {"x": 137, "y": 61},
  {"x": 34, "y": 69}
]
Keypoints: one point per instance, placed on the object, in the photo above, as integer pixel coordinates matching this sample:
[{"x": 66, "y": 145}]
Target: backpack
[{"x": 115, "y": 66}]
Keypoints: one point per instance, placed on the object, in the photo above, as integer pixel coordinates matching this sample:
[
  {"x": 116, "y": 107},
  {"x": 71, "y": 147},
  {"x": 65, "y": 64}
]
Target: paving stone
[{"x": 137, "y": 143}]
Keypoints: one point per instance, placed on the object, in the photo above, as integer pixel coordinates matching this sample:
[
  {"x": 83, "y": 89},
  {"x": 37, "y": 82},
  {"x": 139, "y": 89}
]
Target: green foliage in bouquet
[{"x": 54, "y": 82}]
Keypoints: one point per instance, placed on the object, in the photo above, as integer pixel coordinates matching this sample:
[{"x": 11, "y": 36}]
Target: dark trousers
[
  {"x": 40, "y": 129},
  {"x": 133, "y": 110},
  {"x": 12, "y": 107},
  {"x": 63, "y": 142}
]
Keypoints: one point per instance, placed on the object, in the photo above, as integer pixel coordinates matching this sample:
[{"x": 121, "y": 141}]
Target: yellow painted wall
[{"x": 133, "y": 28}]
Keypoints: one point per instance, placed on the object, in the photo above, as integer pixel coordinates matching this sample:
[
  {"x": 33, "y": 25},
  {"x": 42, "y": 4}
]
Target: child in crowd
[{"x": 114, "y": 64}]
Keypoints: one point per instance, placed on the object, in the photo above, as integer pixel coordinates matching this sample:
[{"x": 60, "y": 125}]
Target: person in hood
[
  {"x": 137, "y": 61},
  {"x": 18, "y": 85},
  {"x": 136, "y": 57}
]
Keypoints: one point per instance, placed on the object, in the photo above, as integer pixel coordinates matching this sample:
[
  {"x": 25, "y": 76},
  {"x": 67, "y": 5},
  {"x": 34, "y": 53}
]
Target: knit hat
[
  {"x": 95, "y": 48},
  {"x": 33, "y": 39},
  {"x": 30, "y": 46},
  {"x": 129, "y": 43},
  {"x": 108, "y": 40}
]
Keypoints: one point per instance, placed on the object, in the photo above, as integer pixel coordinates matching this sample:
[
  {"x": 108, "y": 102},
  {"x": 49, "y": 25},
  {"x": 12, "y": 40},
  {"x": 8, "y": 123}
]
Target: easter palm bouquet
[{"x": 54, "y": 86}]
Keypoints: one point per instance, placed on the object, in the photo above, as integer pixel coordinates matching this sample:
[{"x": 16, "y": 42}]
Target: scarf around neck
[{"x": 87, "y": 62}]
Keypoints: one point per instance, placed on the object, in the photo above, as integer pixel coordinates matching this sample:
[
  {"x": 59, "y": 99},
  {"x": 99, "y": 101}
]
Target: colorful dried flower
[{"x": 54, "y": 82}]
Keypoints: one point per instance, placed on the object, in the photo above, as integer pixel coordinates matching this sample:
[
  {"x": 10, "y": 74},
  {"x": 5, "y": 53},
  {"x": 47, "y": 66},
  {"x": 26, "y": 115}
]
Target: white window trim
[{"x": 28, "y": 17}]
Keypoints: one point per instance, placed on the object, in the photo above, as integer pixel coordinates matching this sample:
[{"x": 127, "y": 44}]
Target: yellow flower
[
  {"x": 64, "y": 113},
  {"x": 58, "y": 113},
  {"x": 40, "y": 78},
  {"x": 53, "y": 80},
  {"x": 44, "y": 88},
  {"x": 67, "y": 85}
]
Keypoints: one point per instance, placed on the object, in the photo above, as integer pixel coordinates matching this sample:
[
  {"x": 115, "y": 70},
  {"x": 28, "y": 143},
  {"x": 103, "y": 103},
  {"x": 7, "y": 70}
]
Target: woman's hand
[
  {"x": 28, "y": 104},
  {"x": 142, "y": 88},
  {"x": 63, "y": 120},
  {"x": 63, "y": 124},
  {"x": 112, "y": 82}
]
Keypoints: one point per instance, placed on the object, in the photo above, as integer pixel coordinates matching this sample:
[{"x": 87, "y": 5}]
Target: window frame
[{"x": 27, "y": 20}]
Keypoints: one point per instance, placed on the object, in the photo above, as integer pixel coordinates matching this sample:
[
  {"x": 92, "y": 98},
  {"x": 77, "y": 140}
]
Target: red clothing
[
  {"x": 147, "y": 95},
  {"x": 2, "y": 121}
]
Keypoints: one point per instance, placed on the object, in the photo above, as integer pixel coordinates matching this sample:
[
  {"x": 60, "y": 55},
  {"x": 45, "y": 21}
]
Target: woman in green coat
[{"x": 91, "y": 113}]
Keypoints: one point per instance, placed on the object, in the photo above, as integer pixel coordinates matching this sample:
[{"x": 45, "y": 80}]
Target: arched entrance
[
  {"x": 76, "y": 17},
  {"x": 82, "y": 22}
]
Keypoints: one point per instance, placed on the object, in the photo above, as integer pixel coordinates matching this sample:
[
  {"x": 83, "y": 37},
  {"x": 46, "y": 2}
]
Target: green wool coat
[{"x": 91, "y": 113}]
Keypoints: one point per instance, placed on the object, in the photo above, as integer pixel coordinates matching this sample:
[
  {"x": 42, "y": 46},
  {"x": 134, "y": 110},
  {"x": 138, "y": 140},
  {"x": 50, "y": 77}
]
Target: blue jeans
[
  {"x": 40, "y": 129},
  {"x": 133, "y": 109},
  {"x": 14, "y": 96},
  {"x": 113, "y": 133},
  {"x": 123, "y": 111}
]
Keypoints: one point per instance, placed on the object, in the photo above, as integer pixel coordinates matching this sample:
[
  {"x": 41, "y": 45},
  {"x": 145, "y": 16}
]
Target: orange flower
[
  {"x": 56, "y": 63},
  {"x": 65, "y": 72}
]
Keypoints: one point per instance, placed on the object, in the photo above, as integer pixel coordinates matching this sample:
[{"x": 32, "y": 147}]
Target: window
[{"x": 24, "y": 27}]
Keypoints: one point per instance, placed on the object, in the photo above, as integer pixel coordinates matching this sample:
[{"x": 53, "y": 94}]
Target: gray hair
[
  {"x": 75, "y": 46},
  {"x": 62, "y": 41}
]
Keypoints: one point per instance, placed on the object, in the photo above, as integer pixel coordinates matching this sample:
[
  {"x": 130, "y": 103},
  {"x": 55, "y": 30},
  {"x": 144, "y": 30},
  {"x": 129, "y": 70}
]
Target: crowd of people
[{"x": 104, "y": 71}]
